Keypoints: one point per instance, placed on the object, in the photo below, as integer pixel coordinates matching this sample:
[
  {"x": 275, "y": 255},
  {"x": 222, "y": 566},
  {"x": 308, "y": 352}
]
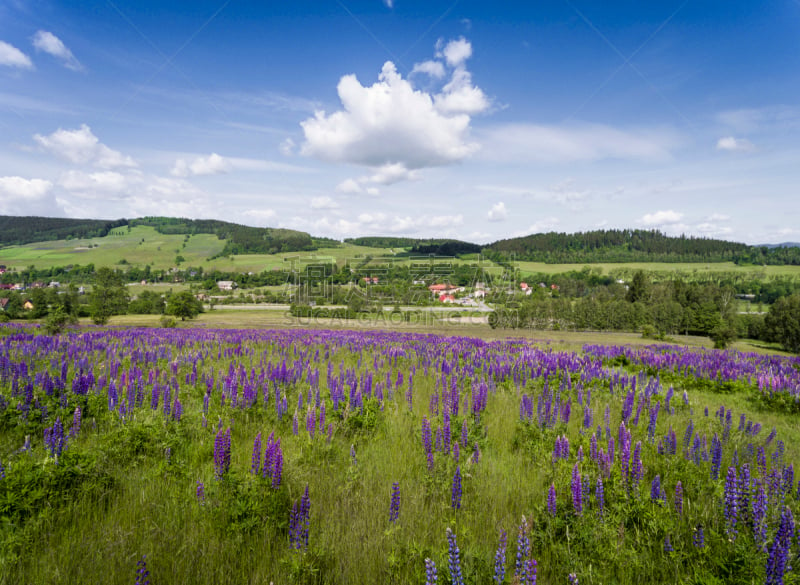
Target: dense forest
[
  {"x": 438, "y": 247},
  {"x": 15, "y": 230},
  {"x": 635, "y": 246}
]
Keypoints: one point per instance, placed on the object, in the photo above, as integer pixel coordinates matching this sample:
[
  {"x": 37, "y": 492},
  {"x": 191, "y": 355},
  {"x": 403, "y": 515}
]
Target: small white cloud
[
  {"x": 49, "y": 43},
  {"x": 661, "y": 218},
  {"x": 457, "y": 51},
  {"x": 433, "y": 68},
  {"x": 349, "y": 186},
  {"x": 324, "y": 202},
  {"x": 498, "y": 212},
  {"x": 82, "y": 147},
  {"x": 389, "y": 3},
  {"x": 732, "y": 144},
  {"x": 212, "y": 164},
  {"x": 10, "y": 56}
]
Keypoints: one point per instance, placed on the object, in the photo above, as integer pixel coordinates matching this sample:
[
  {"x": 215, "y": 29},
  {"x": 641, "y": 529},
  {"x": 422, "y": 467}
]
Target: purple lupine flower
[
  {"x": 394, "y": 505},
  {"x": 142, "y": 574},
  {"x": 637, "y": 471},
  {"x": 76, "y": 422},
  {"x": 476, "y": 456},
  {"x": 667, "y": 545},
  {"x": 456, "y": 451},
  {"x": 256, "y": 458},
  {"x": 177, "y": 409},
  {"x": 277, "y": 462},
  {"x": 656, "y": 493},
  {"x": 464, "y": 434},
  {"x": 353, "y": 455},
  {"x": 577, "y": 492},
  {"x": 500, "y": 559},
  {"x": 679, "y": 498},
  {"x": 716, "y": 457},
  {"x": 430, "y": 572},
  {"x": 200, "y": 492},
  {"x": 222, "y": 453},
  {"x": 531, "y": 569},
  {"x": 731, "y": 498},
  {"x": 779, "y": 553},
  {"x": 454, "y": 559},
  {"x": 455, "y": 500},
  {"x": 699, "y": 537},
  {"x": 599, "y": 496},
  {"x": 551, "y": 499},
  {"x": 523, "y": 551},
  {"x": 759, "y": 515},
  {"x": 573, "y": 579},
  {"x": 305, "y": 517},
  {"x": 2, "y": 471}
]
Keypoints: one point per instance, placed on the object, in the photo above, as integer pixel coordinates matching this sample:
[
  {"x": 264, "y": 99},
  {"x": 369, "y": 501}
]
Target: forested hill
[
  {"x": 239, "y": 239},
  {"x": 439, "y": 247},
  {"x": 634, "y": 246},
  {"x": 16, "y": 230}
]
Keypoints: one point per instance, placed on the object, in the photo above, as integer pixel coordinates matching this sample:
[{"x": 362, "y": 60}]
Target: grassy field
[
  {"x": 438, "y": 324},
  {"x": 125, "y": 487},
  {"x": 140, "y": 246},
  {"x": 685, "y": 269}
]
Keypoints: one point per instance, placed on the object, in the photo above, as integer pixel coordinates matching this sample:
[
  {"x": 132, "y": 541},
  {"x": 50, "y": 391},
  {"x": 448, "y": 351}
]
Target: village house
[{"x": 226, "y": 285}]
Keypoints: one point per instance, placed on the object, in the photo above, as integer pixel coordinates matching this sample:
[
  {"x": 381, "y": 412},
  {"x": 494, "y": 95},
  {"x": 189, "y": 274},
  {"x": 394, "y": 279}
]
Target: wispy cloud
[
  {"x": 10, "y": 56},
  {"x": 576, "y": 142},
  {"x": 49, "y": 43}
]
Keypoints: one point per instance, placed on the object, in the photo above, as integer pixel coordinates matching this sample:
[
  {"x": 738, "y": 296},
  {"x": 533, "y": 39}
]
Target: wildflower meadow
[{"x": 336, "y": 457}]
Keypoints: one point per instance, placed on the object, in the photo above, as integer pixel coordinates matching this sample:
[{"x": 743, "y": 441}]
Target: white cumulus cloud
[
  {"x": 392, "y": 123},
  {"x": 24, "y": 188},
  {"x": 498, "y": 212},
  {"x": 20, "y": 196},
  {"x": 10, "y": 56},
  {"x": 49, "y": 43},
  {"x": 99, "y": 184},
  {"x": 456, "y": 52},
  {"x": 661, "y": 218},
  {"x": 733, "y": 144},
  {"x": 81, "y": 146}
]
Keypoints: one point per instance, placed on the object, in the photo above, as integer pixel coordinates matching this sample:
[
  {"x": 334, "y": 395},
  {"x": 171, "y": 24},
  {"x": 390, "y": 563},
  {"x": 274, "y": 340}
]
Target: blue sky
[{"x": 450, "y": 119}]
